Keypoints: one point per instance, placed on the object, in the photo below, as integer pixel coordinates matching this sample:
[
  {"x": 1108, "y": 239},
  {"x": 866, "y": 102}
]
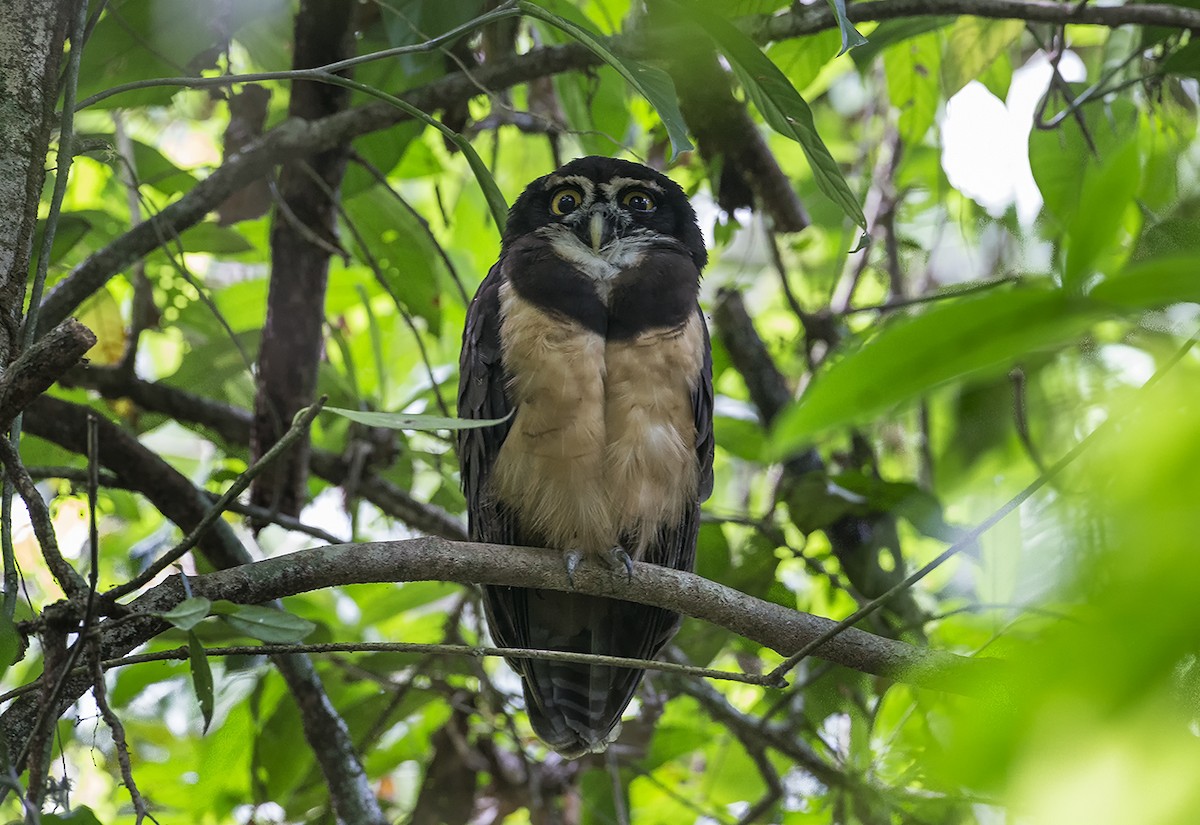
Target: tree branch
[
  {"x": 41, "y": 365},
  {"x": 819, "y": 16},
  {"x": 434, "y": 559}
]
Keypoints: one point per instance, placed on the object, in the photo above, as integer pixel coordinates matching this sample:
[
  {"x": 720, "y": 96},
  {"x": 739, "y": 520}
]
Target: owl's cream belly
[{"x": 603, "y": 442}]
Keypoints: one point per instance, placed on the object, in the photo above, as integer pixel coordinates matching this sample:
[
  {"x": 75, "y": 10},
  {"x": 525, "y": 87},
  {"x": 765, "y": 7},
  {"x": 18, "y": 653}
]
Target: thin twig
[
  {"x": 39, "y": 515},
  {"x": 181, "y": 654},
  {"x": 120, "y": 744},
  {"x": 299, "y": 427}
]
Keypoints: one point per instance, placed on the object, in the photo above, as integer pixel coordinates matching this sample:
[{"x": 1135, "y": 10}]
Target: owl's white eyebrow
[
  {"x": 615, "y": 185},
  {"x": 583, "y": 183}
]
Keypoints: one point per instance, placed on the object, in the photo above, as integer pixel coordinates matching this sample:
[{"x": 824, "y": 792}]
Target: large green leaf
[
  {"x": 890, "y": 32},
  {"x": 913, "y": 355},
  {"x": 780, "y": 104},
  {"x": 653, "y": 84}
]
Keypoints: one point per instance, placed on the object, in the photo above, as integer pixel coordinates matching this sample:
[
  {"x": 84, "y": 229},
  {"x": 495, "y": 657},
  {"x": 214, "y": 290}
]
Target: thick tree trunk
[
  {"x": 302, "y": 236},
  {"x": 31, "y": 47}
]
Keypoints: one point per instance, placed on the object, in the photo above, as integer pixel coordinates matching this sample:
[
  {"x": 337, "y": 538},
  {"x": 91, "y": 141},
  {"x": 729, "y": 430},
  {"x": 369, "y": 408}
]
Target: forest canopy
[{"x": 947, "y": 573}]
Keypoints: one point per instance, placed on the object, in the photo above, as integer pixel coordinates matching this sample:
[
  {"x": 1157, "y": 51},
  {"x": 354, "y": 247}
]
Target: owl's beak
[{"x": 597, "y": 230}]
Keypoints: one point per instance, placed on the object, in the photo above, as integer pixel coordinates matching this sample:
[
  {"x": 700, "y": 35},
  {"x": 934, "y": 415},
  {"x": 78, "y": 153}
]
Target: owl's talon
[
  {"x": 617, "y": 559},
  {"x": 571, "y": 559}
]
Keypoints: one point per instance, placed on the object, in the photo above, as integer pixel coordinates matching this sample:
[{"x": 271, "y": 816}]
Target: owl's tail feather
[{"x": 576, "y": 708}]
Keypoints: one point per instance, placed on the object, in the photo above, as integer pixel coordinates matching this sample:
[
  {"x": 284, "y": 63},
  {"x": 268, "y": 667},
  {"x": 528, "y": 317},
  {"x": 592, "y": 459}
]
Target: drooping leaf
[
  {"x": 913, "y": 355},
  {"x": 423, "y": 423},
  {"x": 189, "y": 612},
  {"x": 202, "y": 679},
  {"x": 152, "y": 167},
  {"x": 267, "y": 624},
  {"x": 1185, "y": 60},
  {"x": 653, "y": 84},
  {"x": 850, "y": 35},
  {"x": 778, "y": 101}
]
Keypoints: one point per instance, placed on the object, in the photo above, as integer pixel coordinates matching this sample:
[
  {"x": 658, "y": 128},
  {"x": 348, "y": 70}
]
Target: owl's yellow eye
[
  {"x": 639, "y": 200},
  {"x": 566, "y": 200}
]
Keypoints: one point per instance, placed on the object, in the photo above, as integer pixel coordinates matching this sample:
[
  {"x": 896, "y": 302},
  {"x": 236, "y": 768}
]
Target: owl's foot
[
  {"x": 571, "y": 559},
  {"x": 615, "y": 558}
]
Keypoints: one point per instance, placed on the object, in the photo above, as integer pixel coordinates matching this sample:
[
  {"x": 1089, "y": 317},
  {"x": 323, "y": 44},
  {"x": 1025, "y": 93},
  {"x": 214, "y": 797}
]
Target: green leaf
[
  {"x": 890, "y": 32},
  {"x": 653, "y": 84},
  {"x": 741, "y": 437},
  {"x": 1094, "y": 226},
  {"x": 189, "y": 612},
  {"x": 409, "y": 265},
  {"x": 911, "y": 68},
  {"x": 152, "y": 166},
  {"x": 81, "y": 815},
  {"x": 267, "y": 624},
  {"x": 1062, "y": 159},
  {"x": 1185, "y": 61},
  {"x": 10, "y": 643},
  {"x": 71, "y": 229},
  {"x": 1168, "y": 237},
  {"x": 202, "y": 679},
  {"x": 423, "y": 423},
  {"x": 780, "y": 104},
  {"x": 207, "y": 236},
  {"x": 1155, "y": 283},
  {"x": 913, "y": 355},
  {"x": 850, "y": 35},
  {"x": 973, "y": 45}
]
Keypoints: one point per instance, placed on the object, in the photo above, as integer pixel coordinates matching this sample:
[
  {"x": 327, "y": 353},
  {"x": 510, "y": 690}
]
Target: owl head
[{"x": 606, "y": 203}]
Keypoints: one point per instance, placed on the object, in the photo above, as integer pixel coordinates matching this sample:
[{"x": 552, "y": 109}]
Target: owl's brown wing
[{"x": 482, "y": 394}]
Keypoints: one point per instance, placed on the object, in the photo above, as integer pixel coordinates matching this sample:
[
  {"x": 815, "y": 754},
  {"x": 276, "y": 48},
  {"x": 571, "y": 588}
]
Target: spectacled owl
[{"x": 589, "y": 328}]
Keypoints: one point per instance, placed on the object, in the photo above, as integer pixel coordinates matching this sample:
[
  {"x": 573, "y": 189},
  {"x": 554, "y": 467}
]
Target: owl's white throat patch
[{"x": 600, "y": 267}]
